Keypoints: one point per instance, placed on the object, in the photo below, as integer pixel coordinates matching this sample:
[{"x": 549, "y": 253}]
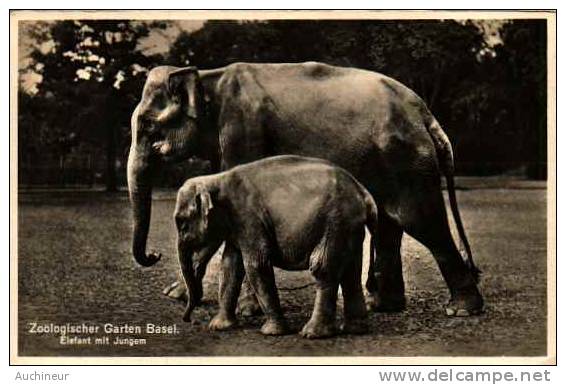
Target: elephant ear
[
  {"x": 185, "y": 87},
  {"x": 203, "y": 204}
]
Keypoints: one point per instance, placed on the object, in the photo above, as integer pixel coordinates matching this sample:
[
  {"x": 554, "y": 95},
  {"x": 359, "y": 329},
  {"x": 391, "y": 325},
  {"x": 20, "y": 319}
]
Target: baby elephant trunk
[
  {"x": 193, "y": 282},
  {"x": 193, "y": 267}
]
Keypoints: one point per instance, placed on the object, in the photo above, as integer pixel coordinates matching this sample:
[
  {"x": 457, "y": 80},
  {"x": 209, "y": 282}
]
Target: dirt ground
[{"x": 75, "y": 267}]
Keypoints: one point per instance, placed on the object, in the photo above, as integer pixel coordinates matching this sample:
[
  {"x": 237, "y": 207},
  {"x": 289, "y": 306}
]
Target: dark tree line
[{"x": 490, "y": 99}]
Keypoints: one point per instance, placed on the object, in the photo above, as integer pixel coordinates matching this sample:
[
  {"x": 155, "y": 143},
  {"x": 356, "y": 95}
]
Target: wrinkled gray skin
[
  {"x": 371, "y": 125},
  {"x": 290, "y": 212}
]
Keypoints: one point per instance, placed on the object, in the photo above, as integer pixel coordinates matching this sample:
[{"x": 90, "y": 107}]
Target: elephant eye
[{"x": 159, "y": 101}]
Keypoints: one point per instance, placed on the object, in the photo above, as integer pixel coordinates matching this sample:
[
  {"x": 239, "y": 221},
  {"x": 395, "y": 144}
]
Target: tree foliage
[{"x": 92, "y": 72}]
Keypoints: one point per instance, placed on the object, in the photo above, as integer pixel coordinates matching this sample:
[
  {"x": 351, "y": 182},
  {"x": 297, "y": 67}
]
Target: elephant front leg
[
  {"x": 231, "y": 276},
  {"x": 386, "y": 286},
  {"x": 262, "y": 280}
]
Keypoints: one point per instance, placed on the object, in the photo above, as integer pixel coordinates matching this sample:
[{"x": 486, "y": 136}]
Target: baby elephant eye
[{"x": 182, "y": 226}]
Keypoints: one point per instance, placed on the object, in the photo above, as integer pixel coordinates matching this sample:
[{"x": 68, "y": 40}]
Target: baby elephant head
[
  {"x": 199, "y": 236},
  {"x": 194, "y": 206}
]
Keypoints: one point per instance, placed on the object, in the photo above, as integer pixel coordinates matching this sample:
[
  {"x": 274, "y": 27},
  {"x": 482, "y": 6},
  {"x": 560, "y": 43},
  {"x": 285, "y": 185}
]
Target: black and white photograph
[{"x": 286, "y": 186}]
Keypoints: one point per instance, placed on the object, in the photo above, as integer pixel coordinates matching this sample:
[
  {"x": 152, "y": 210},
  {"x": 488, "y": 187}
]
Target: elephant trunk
[
  {"x": 139, "y": 186},
  {"x": 141, "y": 204}
]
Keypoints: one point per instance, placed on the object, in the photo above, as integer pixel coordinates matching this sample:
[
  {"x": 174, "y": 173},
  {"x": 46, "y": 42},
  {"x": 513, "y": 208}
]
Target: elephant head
[
  {"x": 201, "y": 231},
  {"x": 165, "y": 128}
]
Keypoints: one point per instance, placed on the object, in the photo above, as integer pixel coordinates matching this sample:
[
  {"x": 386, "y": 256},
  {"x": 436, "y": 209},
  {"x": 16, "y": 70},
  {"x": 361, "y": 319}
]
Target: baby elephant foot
[
  {"x": 222, "y": 322},
  {"x": 274, "y": 327},
  {"x": 355, "y": 326},
  {"x": 318, "y": 329},
  {"x": 176, "y": 291},
  {"x": 465, "y": 306}
]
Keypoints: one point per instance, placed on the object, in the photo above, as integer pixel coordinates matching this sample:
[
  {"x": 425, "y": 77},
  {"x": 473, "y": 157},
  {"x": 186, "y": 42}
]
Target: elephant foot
[
  {"x": 248, "y": 306},
  {"x": 465, "y": 306},
  {"x": 386, "y": 305},
  {"x": 176, "y": 291},
  {"x": 222, "y": 322},
  {"x": 274, "y": 327},
  {"x": 355, "y": 326},
  {"x": 318, "y": 329}
]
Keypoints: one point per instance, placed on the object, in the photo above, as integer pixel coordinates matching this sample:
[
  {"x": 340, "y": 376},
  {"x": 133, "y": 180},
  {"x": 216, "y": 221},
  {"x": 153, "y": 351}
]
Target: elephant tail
[{"x": 446, "y": 163}]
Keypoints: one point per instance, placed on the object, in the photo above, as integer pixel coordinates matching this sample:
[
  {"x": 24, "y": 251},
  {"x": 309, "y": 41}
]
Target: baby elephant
[{"x": 291, "y": 212}]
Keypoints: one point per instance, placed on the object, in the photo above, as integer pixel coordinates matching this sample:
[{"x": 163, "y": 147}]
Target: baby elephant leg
[
  {"x": 262, "y": 281},
  {"x": 231, "y": 276},
  {"x": 355, "y": 313},
  {"x": 323, "y": 319},
  {"x": 325, "y": 267}
]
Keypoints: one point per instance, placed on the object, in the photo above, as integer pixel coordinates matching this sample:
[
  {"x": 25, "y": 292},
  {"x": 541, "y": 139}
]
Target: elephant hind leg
[{"x": 424, "y": 218}]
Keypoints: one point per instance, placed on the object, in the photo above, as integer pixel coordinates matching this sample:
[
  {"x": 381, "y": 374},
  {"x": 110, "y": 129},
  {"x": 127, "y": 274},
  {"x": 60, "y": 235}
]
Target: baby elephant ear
[
  {"x": 204, "y": 203},
  {"x": 184, "y": 86}
]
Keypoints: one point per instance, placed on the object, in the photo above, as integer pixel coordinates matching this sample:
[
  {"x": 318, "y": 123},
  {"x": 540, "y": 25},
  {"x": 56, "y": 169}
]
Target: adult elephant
[{"x": 368, "y": 123}]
